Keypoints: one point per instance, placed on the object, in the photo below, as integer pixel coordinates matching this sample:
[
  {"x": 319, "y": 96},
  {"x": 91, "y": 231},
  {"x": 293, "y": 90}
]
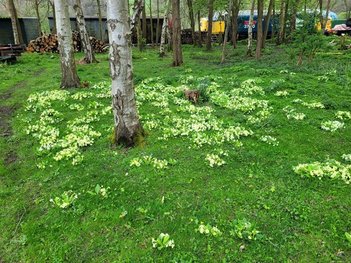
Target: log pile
[{"x": 49, "y": 43}]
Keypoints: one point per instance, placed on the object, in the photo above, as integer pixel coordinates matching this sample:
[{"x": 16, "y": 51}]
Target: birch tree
[
  {"x": 16, "y": 28},
  {"x": 69, "y": 77},
  {"x": 88, "y": 50},
  {"x": 164, "y": 30},
  {"x": 127, "y": 127}
]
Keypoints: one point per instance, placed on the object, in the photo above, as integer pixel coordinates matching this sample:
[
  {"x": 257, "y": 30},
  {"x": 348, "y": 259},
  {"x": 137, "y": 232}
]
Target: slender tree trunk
[
  {"x": 158, "y": 22},
  {"x": 177, "y": 41},
  {"x": 235, "y": 14},
  {"x": 36, "y": 7},
  {"x": 100, "y": 19},
  {"x": 199, "y": 24},
  {"x": 210, "y": 20},
  {"x": 136, "y": 22},
  {"x": 259, "y": 29},
  {"x": 267, "y": 22},
  {"x": 285, "y": 20},
  {"x": 64, "y": 33},
  {"x": 151, "y": 24},
  {"x": 127, "y": 127},
  {"x": 226, "y": 33},
  {"x": 280, "y": 36},
  {"x": 294, "y": 8},
  {"x": 192, "y": 20},
  {"x": 88, "y": 50},
  {"x": 164, "y": 30},
  {"x": 144, "y": 23},
  {"x": 249, "y": 32},
  {"x": 16, "y": 28}
]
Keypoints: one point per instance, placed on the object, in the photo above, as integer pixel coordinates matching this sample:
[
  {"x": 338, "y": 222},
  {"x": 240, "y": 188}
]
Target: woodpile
[{"x": 49, "y": 43}]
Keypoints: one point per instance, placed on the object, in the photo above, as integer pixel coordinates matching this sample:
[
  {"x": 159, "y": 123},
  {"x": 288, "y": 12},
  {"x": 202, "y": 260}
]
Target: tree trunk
[
  {"x": 88, "y": 50},
  {"x": 199, "y": 23},
  {"x": 16, "y": 28},
  {"x": 281, "y": 22},
  {"x": 230, "y": 7},
  {"x": 259, "y": 29},
  {"x": 267, "y": 22},
  {"x": 127, "y": 127},
  {"x": 249, "y": 32},
  {"x": 69, "y": 78},
  {"x": 36, "y": 7},
  {"x": 235, "y": 13},
  {"x": 100, "y": 19},
  {"x": 151, "y": 24},
  {"x": 176, "y": 29},
  {"x": 164, "y": 30},
  {"x": 294, "y": 8},
  {"x": 285, "y": 20},
  {"x": 192, "y": 20},
  {"x": 158, "y": 22},
  {"x": 209, "y": 27},
  {"x": 144, "y": 23}
]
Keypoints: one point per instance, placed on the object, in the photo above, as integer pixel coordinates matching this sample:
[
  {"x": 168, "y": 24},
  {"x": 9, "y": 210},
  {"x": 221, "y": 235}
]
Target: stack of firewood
[{"x": 49, "y": 43}]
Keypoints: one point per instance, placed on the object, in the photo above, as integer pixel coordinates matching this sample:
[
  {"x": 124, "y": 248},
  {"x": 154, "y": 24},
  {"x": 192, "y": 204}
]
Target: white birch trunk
[
  {"x": 164, "y": 30},
  {"x": 127, "y": 126},
  {"x": 88, "y": 50},
  {"x": 69, "y": 78}
]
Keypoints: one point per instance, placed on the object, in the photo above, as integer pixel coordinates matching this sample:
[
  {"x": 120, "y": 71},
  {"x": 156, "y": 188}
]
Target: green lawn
[{"x": 167, "y": 185}]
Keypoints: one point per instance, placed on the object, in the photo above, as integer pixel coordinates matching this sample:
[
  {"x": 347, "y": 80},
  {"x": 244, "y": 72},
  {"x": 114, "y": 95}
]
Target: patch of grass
[{"x": 298, "y": 219}]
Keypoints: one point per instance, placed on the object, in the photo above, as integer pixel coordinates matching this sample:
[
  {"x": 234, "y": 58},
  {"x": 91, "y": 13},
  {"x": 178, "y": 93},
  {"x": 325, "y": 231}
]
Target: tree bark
[
  {"x": 230, "y": 7},
  {"x": 164, "y": 30},
  {"x": 235, "y": 13},
  {"x": 192, "y": 20},
  {"x": 259, "y": 29},
  {"x": 88, "y": 50},
  {"x": 287, "y": 2},
  {"x": 176, "y": 38},
  {"x": 36, "y": 7},
  {"x": 69, "y": 77},
  {"x": 267, "y": 22},
  {"x": 209, "y": 27},
  {"x": 249, "y": 32},
  {"x": 127, "y": 127},
  {"x": 100, "y": 19},
  {"x": 16, "y": 28}
]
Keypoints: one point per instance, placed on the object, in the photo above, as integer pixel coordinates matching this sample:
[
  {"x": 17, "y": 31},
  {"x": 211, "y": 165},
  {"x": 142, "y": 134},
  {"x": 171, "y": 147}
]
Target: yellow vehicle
[{"x": 217, "y": 26}]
